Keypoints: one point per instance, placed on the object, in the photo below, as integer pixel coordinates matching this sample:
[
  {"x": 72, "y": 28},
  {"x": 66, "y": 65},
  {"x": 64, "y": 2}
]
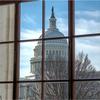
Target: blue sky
[{"x": 87, "y": 20}]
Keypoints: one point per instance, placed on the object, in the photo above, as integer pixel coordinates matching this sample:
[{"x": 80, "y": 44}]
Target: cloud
[
  {"x": 83, "y": 45},
  {"x": 26, "y": 50},
  {"x": 28, "y": 19},
  {"x": 62, "y": 25},
  {"x": 95, "y": 13},
  {"x": 89, "y": 46},
  {"x": 87, "y": 21},
  {"x": 30, "y": 34},
  {"x": 82, "y": 26},
  {"x": 86, "y": 26},
  {"x": 26, "y": 53}
]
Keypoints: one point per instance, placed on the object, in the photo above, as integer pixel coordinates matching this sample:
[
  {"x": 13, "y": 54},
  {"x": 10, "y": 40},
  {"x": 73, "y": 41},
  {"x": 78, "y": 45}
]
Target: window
[
  {"x": 47, "y": 52},
  {"x": 31, "y": 30}
]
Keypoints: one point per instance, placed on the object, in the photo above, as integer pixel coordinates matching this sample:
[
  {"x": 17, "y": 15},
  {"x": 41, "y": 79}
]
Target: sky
[{"x": 87, "y": 21}]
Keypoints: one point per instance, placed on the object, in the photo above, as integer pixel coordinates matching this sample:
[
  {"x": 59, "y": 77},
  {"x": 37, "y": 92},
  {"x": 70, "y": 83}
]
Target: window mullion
[
  {"x": 71, "y": 49},
  {"x": 16, "y": 51},
  {"x": 43, "y": 49}
]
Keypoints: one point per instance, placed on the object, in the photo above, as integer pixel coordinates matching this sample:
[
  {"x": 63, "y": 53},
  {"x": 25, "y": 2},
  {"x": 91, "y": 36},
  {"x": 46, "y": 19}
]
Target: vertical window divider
[
  {"x": 43, "y": 49},
  {"x": 16, "y": 51},
  {"x": 71, "y": 49}
]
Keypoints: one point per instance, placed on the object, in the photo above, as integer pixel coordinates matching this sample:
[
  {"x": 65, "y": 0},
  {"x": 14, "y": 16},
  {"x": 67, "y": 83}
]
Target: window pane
[
  {"x": 87, "y": 16},
  {"x": 6, "y": 62},
  {"x": 56, "y": 59},
  {"x": 87, "y": 90},
  {"x": 87, "y": 57},
  {"x": 7, "y": 22},
  {"x": 6, "y": 91},
  {"x": 30, "y": 91},
  {"x": 30, "y": 60},
  {"x": 56, "y": 18},
  {"x": 31, "y": 20},
  {"x": 56, "y": 91}
]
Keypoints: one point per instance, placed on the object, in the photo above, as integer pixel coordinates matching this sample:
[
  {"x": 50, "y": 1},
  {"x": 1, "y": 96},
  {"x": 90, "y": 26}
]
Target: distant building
[{"x": 55, "y": 47}]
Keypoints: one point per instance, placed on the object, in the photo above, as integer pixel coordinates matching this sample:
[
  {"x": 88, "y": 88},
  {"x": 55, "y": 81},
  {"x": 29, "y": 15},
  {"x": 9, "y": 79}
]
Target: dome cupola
[
  {"x": 52, "y": 23},
  {"x": 53, "y": 31}
]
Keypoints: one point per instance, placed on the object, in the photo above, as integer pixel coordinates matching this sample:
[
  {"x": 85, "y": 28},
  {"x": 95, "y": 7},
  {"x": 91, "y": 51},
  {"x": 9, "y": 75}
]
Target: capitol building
[{"x": 53, "y": 48}]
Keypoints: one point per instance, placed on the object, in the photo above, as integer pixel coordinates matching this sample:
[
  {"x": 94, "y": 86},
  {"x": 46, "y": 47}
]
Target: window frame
[{"x": 71, "y": 49}]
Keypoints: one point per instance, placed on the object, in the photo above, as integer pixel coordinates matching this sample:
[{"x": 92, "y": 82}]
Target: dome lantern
[{"x": 52, "y": 23}]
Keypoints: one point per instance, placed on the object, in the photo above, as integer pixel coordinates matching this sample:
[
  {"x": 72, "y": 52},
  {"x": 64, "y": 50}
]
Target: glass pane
[
  {"x": 87, "y": 57},
  {"x": 87, "y": 16},
  {"x": 30, "y": 60},
  {"x": 56, "y": 91},
  {"x": 56, "y": 18},
  {"x": 7, "y": 17},
  {"x": 29, "y": 91},
  {"x": 6, "y": 62},
  {"x": 87, "y": 90},
  {"x": 6, "y": 91},
  {"x": 31, "y": 20},
  {"x": 56, "y": 59}
]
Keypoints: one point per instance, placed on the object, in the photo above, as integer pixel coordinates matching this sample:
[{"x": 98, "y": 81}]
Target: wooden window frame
[{"x": 71, "y": 49}]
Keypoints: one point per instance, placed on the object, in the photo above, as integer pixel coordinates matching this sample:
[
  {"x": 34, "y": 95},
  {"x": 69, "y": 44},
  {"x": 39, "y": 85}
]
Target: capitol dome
[{"x": 53, "y": 31}]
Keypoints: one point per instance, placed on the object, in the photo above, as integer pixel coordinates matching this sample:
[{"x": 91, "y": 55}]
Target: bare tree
[
  {"x": 85, "y": 90},
  {"x": 56, "y": 68},
  {"x": 83, "y": 67}
]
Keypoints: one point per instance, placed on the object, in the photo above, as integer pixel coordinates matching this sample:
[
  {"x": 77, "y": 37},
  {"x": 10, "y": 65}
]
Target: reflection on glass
[
  {"x": 87, "y": 58},
  {"x": 30, "y": 60},
  {"x": 7, "y": 22},
  {"x": 31, "y": 20},
  {"x": 56, "y": 19},
  {"x": 87, "y": 16},
  {"x": 6, "y": 62},
  {"x": 56, "y": 59},
  {"x": 56, "y": 91},
  {"x": 6, "y": 91},
  {"x": 87, "y": 90},
  {"x": 29, "y": 91}
]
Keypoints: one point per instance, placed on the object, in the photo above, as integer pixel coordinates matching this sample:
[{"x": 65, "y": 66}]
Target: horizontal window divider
[
  {"x": 45, "y": 81},
  {"x": 6, "y": 82},
  {"x": 32, "y": 40},
  {"x": 32, "y": 81},
  {"x": 87, "y": 79},
  {"x": 87, "y": 35},
  {"x": 7, "y": 42},
  {"x": 54, "y": 38}
]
